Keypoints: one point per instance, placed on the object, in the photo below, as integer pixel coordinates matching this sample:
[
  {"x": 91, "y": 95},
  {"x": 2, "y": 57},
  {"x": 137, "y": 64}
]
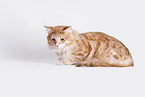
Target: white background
[{"x": 28, "y": 67}]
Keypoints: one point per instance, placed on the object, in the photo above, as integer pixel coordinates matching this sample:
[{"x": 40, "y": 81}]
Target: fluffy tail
[{"x": 97, "y": 62}]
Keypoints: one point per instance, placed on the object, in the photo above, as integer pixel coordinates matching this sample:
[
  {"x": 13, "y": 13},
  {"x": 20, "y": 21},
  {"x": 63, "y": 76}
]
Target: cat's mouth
[{"x": 60, "y": 46}]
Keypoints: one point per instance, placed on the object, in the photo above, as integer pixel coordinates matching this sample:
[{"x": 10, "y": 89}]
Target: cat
[{"x": 91, "y": 49}]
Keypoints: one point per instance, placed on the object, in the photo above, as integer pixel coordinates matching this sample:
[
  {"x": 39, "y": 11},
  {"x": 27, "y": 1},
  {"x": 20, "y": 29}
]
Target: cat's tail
[{"x": 97, "y": 62}]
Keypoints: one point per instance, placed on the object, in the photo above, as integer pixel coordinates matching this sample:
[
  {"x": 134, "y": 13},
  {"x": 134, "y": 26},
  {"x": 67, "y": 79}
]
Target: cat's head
[{"x": 59, "y": 36}]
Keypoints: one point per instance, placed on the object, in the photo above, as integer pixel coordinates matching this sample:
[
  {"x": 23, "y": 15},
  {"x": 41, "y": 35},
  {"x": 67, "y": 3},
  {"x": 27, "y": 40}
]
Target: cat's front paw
[
  {"x": 64, "y": 62},
  {"x": 60, "y": 62}
]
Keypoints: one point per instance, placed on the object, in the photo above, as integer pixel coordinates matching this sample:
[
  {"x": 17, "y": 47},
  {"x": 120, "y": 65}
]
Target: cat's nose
[{"x": 57, "y": 45}]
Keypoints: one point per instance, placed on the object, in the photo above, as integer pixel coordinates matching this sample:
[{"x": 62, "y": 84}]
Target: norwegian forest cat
[{"x": 92, "y": 49}]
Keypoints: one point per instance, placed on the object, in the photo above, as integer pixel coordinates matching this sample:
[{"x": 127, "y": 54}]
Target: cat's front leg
[{"x": 66, "y": 62}]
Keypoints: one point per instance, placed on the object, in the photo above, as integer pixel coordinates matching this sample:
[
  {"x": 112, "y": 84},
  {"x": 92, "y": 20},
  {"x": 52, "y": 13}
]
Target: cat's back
[
  {"x": 97, "y": 36},
  {"x": 101, "y": 38}
]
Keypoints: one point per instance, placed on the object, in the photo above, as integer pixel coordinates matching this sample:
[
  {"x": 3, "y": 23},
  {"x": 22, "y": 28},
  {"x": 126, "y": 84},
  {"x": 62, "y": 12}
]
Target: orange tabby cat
[{"x": 92, "y": 49}]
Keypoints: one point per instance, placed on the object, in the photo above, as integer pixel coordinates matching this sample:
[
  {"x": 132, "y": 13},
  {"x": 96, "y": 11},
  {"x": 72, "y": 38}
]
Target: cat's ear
[
  {"x": 49, "y": 29},
  {"x": 67, "y": 29}
]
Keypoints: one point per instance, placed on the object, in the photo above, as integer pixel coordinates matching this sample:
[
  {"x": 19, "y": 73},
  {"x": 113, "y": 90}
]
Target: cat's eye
[
  {"x": 62, "y": 39},
  {"x": 53, "y": 39}
]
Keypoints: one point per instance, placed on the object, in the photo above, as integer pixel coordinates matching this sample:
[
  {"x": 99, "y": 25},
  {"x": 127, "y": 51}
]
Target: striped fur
[{"x": 92, "y": 49}]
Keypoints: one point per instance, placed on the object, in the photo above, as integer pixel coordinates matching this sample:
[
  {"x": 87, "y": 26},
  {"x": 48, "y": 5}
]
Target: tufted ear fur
[
  {"x": 49, "y": 29},
  {"x": 68, "y": 29}
]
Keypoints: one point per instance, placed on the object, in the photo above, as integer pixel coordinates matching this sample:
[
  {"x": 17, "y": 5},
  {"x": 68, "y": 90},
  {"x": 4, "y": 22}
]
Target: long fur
[{"x": 92, "y": 49}]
